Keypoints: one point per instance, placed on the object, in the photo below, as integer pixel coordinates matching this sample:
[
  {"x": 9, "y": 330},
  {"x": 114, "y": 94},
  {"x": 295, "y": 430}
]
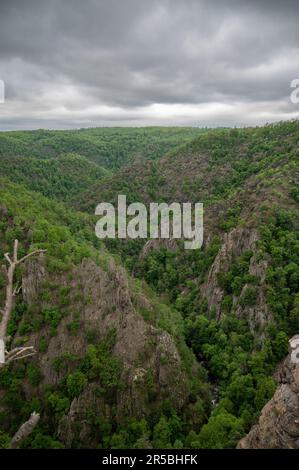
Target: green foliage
[
  {"x": 160, "y": 270},
  {"x": 34, "y": 374},
  {"x": 281, "y": 243},
  {"x": 162, "y": 434},
  {"x": 4, "y": 440},
  {"x": 60, "y": 178},
  {"x": 242, "y": 374},
  {"x": 248, "y": 298},
  {"x": 237, "y": 276},
  {"x": 59, "y": 403},
  {"x": 99, "y": 364},
  {"x": 39, "y": 440},
  {"x": 221, "y": 432},
  {"x": 52, "y": 317},
  {"x": 76, "y": 382}
]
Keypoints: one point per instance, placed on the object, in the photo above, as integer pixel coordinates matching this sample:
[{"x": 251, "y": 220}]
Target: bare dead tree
[
  {"x": 20, "y": 352},
  {"x": 11, "y": 292},
  {"x": 24, "y": 430}
]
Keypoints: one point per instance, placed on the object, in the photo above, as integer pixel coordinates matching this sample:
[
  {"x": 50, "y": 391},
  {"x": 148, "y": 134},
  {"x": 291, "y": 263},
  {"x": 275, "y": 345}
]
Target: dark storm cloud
[{"x": 76, "y": 63}]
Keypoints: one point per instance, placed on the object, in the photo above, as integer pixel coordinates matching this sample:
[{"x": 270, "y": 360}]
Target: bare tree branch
[
  {"x": 15, "y": 251},
  {"x": 16, "y": 351},
  {"x": 17, "y": 358},
  {"x": 17, "y": 290},
  {"x": 33, "y": 253},
  {"x": 6, "y": 256}
]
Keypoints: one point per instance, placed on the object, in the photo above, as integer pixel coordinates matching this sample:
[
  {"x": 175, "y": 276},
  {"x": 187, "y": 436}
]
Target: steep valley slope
[{"x": 110, "y": 356}]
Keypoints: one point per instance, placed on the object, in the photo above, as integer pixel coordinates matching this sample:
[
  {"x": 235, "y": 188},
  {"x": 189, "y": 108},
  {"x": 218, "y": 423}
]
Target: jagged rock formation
[
  {"x": 278, "y": 426},
  {"x": 236, "y": 242},
  {"x": 106, "y": 301},
  {"x": 156, "y": 244}
]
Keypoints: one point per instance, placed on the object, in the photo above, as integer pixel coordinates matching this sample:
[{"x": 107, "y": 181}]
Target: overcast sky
[{"x": 83, "y": 63}]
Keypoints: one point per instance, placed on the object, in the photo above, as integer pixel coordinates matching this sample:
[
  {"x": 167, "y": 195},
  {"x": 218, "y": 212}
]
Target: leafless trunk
[
  {"x": 20, "y": 352},
  {"x": 11, "y": 292},
  {"x": 24, "y": 431}
]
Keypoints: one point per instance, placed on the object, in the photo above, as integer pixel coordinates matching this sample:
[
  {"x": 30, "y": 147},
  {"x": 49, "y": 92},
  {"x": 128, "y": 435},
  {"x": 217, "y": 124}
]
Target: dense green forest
[
  {"x": 108, "y": 147},
  {"x": 219, "y": 318}
]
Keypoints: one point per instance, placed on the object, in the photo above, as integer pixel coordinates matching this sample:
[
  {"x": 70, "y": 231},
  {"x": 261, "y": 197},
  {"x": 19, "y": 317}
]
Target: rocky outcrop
[
  {"x": 157, "y": 244},
  {"x": 234, "y": 244},
  {"x": 278, "y": 426},
  {"x": 258, "y": 315},
  {"x": 105, "y": 299}
]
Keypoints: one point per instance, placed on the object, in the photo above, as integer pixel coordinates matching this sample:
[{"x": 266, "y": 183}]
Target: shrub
[
  {"x": 76, "y": 382},
  {"x": 249, "y": 297},
  {"x": 33, "y": 374}
]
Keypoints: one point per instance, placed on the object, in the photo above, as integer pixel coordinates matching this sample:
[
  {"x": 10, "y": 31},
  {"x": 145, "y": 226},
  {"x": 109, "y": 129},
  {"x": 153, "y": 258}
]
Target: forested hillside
[
  {"x": 83, "y": 314},
  {"x": 59, "y": 177},
  {"x": 141, "y": 343},
  {"x": 108, "y": 147}
]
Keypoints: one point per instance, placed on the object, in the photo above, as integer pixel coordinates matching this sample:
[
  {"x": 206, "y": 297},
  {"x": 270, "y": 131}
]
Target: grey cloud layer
[{"x": 75, "y": 63}]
